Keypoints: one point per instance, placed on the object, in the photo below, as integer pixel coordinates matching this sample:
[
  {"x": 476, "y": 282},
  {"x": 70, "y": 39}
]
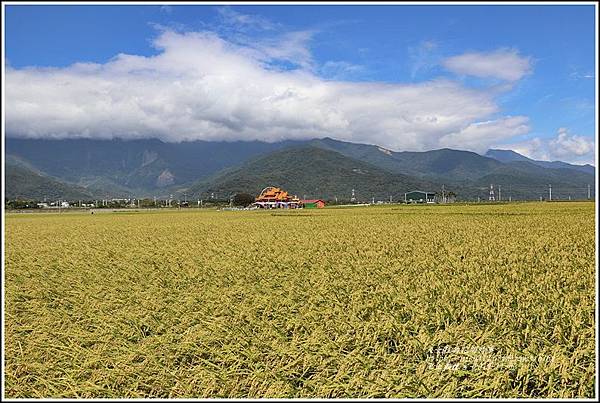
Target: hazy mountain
[
  {"x": 312, "y": 172},
  {"x": 24, "y": 183},
  {"x": 506, "y": 155},
  {"x": 454, "y": 165},
  {"x": 525, "y": 180},
  {"x": 142, "y": 166},
  {"x": 520, "y": 177},
  {"x": 512, "y": 156},
  {"x": 117, "y": 168}
]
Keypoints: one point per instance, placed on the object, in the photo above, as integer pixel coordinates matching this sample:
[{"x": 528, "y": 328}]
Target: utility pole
[
  {"x": 373, "y": 201},
  {"x": 353, "y": 199},
  {"x": 589, "y": 193},
  {"x": 390, "y": 199},
  {"x": 550, "y": 192},
  {"x": 499, "y": 192},
  {"x": 443, "y": 195},
  {"x": 492, "y": 197}
]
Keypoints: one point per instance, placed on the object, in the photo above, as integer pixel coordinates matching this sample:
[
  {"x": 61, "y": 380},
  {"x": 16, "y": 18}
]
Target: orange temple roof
[{"x": 275, "y": 194}]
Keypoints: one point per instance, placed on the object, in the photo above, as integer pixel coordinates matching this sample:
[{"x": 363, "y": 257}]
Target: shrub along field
[{"x": 392, "y": 301}]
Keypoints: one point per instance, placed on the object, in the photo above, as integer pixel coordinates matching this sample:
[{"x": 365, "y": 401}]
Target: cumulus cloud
[
  {"x": 503, "y": 64},
  {"x": 566, "y": 144},
  {"x": 564, "y": 147},
  {"x": 202, "y": 87},
  {"x": 479, "y": 135}
]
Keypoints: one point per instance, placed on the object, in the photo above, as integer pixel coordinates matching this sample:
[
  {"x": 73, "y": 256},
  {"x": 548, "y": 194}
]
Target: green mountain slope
[
  {"x": 311, "y": 172},
  {"x": 24, "y": 183},
  {"x": 148, "y": 168},
  {"x": 444, "y": 164},
  {"x": 143, "y": 166},
  {"x": 526, "y": 180},
  {"x": 520, "y": 177},
  {"x": 512, "y": 156}
]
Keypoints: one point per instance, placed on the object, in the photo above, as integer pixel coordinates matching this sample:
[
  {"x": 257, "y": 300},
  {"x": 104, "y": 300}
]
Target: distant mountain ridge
[
  {"x": 512, "y": 156},
  {"x": 138, "y": 166},
  {"x": 147, "y": 168},
  {"x": 22, "y": 182},
  {"x": 311, "y": 172}
]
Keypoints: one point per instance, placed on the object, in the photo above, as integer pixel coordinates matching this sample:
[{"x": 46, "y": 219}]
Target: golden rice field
[{"x": 396, "y": 301}]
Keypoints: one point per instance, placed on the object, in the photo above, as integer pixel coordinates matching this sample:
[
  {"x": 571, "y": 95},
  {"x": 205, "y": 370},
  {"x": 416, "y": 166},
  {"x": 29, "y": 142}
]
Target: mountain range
[
  {"x": 512, "y": 156},
  {"x": 318, "y": 168}
]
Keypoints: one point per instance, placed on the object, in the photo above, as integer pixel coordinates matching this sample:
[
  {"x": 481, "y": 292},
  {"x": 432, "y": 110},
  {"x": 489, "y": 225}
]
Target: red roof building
[{"x": 316, "y": 203}]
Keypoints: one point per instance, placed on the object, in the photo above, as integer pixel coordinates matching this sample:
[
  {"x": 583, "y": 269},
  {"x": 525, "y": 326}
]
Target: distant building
[
  {"x": 317, "y": 203},
  {"x": 65, "y": 204},
  {"x": 418, "y": 196},
  {"x": 273, "y": 197}
]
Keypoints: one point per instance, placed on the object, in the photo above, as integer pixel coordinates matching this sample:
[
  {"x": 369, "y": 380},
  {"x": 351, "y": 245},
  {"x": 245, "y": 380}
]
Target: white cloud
[
  {"x": 564, "y": 147},
  {"x": 166, "y": 9},
  {"x": 202, "y": 87},
  {"x": 577, "y": 74},
  {"x": 244, "y": 22},
  {"x": 292, "y": 47},
  {"x": 274, "y": 45},
  {"x": 566, "y": 144},
  {"x": 423, "y": 57},
  {"x": 478, "y": 136},
  {"x": 504, "y": 64},
  {"x": 340, "y": 69}
]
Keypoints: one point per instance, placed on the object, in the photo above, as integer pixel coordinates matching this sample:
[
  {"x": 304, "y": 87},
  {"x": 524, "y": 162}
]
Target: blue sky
[{"x": 469, "y": 77}]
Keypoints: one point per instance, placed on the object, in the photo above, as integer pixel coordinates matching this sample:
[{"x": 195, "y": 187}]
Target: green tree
[{"x": 243, "y": 199}]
